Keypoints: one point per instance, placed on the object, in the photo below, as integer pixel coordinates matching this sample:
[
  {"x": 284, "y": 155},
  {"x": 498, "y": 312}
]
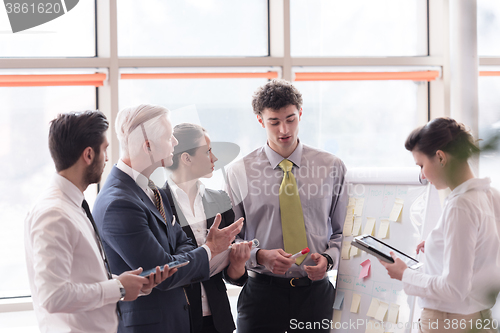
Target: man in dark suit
[{"x": 136, "y": 223}]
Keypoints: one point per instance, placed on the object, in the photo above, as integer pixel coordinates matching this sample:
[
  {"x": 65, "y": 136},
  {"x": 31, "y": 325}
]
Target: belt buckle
[{"x": 291, "y": 282}]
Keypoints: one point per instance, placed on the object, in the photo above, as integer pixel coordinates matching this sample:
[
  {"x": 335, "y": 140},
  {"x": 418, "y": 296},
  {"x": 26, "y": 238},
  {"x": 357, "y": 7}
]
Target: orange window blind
[
  {"x": 359, "y": 76},
  {"x": 153, "y": 76},
  {"x": 96, "y": 80}
]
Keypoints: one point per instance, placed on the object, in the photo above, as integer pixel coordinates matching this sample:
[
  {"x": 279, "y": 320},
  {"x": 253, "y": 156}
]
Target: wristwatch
[
  {"x": 123, "y": 292},
  {"x": 329, "y": 266}
]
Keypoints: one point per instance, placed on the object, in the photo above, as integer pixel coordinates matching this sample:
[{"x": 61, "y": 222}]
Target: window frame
[{"x": 435, "y": 95}]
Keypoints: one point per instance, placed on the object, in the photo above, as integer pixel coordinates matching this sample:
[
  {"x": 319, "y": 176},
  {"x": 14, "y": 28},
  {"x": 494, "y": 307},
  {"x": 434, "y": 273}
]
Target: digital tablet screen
[{"x": 386, "y": 249}]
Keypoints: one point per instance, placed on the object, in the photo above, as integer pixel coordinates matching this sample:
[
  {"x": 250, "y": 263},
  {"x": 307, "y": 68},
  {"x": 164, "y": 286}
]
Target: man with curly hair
[{"x": 292, "y": 196}]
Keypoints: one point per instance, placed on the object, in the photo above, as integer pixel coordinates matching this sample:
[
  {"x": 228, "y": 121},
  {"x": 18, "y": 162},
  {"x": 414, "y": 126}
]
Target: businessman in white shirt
[{"x": 72, "y": 287}]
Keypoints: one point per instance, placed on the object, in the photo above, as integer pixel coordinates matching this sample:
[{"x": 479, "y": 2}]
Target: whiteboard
[{"x": 379, "y": 188}]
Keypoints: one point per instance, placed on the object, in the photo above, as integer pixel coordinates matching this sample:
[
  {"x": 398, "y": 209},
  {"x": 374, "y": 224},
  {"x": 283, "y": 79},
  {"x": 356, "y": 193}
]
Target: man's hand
[
  {"x": 317, "y": 272},
  {"x": 158, "y": 277},
  {"x": 395, "y": 270},
  {"x": 421, "y": 247},
  {"x": 240, "y": 253},
  {"x": 218, "y": 240},
  {"x": 132, "y": 283},
  {"x": 277, "y": 261}
]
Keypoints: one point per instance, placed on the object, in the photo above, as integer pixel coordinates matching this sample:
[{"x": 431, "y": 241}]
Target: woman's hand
[
  {"x": 421, "y": 247},
  {"x": 395, "y": 270}
]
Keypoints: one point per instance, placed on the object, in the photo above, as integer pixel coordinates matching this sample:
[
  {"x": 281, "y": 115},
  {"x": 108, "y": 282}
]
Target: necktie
[
  {"x": 85, "y": 206},
  {"x": 292, "y": 217},
  {"x": 158, "y": 200}
]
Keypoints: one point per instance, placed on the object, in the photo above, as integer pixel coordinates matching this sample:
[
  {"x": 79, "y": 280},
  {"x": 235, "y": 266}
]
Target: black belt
[{"x": 283, "y": 282}]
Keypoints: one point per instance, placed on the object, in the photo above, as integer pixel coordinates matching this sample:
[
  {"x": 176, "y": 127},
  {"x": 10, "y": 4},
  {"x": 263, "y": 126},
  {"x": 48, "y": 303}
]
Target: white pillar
[{"x": 464, "y": 65}]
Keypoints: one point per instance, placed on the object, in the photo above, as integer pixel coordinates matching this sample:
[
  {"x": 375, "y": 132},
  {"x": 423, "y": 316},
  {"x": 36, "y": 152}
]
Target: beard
[{"x": 93, "y": 172}]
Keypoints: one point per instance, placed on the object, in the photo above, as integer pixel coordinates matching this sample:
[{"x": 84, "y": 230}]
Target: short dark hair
[
  {"x": 276, "y": 94},
  {"x": 188, "y": 135},
  {"x": 71, "y": 133},
  {"x": 444, "y": 134}
]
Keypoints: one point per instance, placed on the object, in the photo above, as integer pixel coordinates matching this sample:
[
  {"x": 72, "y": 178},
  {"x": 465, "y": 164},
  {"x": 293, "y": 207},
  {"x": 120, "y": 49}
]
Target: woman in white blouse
[{"x": 460, "y": 280}]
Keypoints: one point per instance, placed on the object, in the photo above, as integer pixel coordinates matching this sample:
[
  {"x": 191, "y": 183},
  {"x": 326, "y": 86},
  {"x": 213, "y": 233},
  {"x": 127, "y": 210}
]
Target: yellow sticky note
[
  {"x": 396, "y": 210},
  {"x": 372, "y": 310},
  {"x": 337, "y": 314},
  {"x": 392, "y": 317},
  {"x": 354, "y": 251},
  {"x": 374, "y": 327},
  {"x": 348, "y": 221},
  {"x": 358, "y": 209},
  {"x": 370, "y": 226},
  {"x": 356, "y": 229},
  {"x": 383, "y": 230},
  {"x": 382, "y": 310},
  {"x": 346, "y": 247},
  {"x": 352, "y": 202},
  {"x": 356, "y": 300}
]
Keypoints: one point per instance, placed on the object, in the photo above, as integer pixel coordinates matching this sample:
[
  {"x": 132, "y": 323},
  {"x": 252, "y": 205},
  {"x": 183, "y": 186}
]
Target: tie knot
[
  {"x": 151, "y": 185},
  {"x": 286, "y": 165}
]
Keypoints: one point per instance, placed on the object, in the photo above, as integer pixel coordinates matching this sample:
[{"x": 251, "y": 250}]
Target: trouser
[
  {"x": 434, "y": 321},
  {"x": 274, "y": 305}
]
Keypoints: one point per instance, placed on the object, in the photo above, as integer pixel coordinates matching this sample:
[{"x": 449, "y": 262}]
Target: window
[
  {"x": 365, "y": 123},
  {"x": 488, "y": 27},
  {"x": 70, "y": 35},
  {"x": 489, "y": 126},
  {"x": 26, "y": 166},
  {"x": 358, "y": 28},
  {"x": 192, "y": 28}
]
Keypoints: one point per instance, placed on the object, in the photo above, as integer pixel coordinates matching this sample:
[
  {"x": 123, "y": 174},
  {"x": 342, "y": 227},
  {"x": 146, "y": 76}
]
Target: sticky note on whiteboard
[
  {"x": 337, "y": 315},
  {"x": 370, "y": 226},
  {"x": 346, "y": 248},
  {"x": 365, "y": 268},
  {"x": 339, "y": 300},
  {"x": 382, "y": 311},
  {"x": 354, "y": 251},
  {"x": 356, "y": 300},
  {"x": 348, "y": 221},
  {"x": 372, "y": 310},
  {"x": 392, "y": 317},
  {"x": 356, "y": 229},
  {"x": 383, "y": 230},
  {"x": 397, "y": 210},
  {"x": 358, "y": 209}
]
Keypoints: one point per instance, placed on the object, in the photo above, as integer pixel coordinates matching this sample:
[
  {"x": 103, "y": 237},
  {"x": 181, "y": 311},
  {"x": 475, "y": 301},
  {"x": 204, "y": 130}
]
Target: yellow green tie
[{"x": 292, "y": 218}]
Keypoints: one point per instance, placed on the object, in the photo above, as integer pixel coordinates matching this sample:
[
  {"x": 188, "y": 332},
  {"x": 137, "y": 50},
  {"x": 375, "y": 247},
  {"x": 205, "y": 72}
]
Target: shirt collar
[
  {"x": 275, "y": 158},
  {"x": 176, "y": 189},
  {"x": 471, "y": 184},
  {"x": 141, "y": 180},
  {"x": 69, "y": 189}
]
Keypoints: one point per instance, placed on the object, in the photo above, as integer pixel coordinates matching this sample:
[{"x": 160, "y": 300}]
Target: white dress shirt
[
  {"x": 197, "y": 220},
  {"x": 462, "y": 253},
  {"x": 68, "y": 280}
]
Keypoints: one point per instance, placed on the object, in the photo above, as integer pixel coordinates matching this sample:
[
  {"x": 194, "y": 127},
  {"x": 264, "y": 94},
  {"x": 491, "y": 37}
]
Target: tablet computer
[
  {"x": 172, "y": 264},
  {"x": 382, "y": 250}
]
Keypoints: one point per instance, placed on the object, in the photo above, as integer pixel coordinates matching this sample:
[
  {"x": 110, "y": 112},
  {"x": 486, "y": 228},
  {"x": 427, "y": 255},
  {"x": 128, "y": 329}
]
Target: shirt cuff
[
  {"x": 209, "y": 253},
  {"x": 409, "y": 277},
  {"x": 253, "y": 258},
  {"x": 111, "y": 291}
]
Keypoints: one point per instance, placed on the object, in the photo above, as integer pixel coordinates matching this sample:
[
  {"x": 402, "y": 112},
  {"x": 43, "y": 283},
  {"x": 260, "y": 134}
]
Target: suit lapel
[{"x": 127, "y": 180}]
